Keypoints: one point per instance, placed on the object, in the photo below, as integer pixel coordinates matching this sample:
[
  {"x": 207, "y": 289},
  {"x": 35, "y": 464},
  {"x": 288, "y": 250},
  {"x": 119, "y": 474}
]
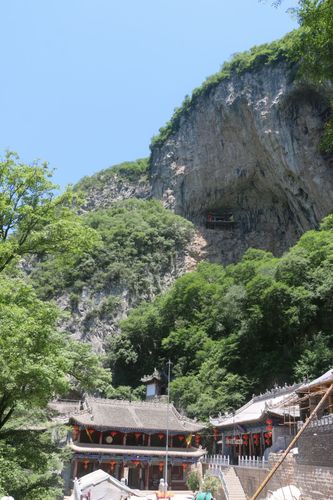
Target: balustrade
[
  {"x": 255, "y": 462},
  {"x": 215, "y": 460}
]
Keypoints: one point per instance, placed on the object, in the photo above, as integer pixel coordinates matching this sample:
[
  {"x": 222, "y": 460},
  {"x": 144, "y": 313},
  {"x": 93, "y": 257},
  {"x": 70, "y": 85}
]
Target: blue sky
[{"x": 86, "y": 83}]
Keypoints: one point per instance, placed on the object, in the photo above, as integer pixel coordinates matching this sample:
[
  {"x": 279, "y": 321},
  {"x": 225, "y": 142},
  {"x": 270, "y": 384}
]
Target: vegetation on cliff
[
  {"x": 315, "y": 47},
  {"x": 256, "y": 57},
  {"x": 310, "y": 47},
  {"x": 128, "y": 171},
  {"x": 139, "y": 243},
  {"x": 231, "y": 330}
]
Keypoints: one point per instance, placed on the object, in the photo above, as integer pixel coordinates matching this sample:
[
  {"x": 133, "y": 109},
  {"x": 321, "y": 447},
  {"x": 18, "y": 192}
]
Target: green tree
[
  {"x": 316, "y": 42},
  {"x": 33, "y": 220},
  {"x": 32, "y": 471},
  {"x": 235, "y": 329},
  {"x": 38, "y": 362},
  {"x": 316, "y": 358},
  {"x": 313, "y": 49}
]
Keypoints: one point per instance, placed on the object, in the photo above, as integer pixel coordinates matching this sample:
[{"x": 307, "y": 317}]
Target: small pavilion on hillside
[{"x": 266, "y": 421}]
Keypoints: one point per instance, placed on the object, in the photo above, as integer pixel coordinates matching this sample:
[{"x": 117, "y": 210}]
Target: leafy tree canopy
[
  {"x": 27, "y": 471},
  {"x": 33, "y": 220},
  {"x": 37, "y": 361},
  {"x": 231, "y": 330},
  {"x": 140, "y": 242},
  {"x": 127, "y": 171}
]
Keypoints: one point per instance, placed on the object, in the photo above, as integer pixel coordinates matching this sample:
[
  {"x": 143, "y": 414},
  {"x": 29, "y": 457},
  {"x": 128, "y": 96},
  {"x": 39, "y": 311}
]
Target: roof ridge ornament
[{"x": 154, "y": 376}]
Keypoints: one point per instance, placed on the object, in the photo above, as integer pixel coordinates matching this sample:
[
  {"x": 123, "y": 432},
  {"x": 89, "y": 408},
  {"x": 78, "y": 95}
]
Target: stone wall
[
  {"x": 250, "y": 479},
  {"x": 316, "y": 445},
  {"x": 314, "y": 482}
]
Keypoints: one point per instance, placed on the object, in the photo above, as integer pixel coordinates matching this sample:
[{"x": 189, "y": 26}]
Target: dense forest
[{"x": 230, "y": 331}]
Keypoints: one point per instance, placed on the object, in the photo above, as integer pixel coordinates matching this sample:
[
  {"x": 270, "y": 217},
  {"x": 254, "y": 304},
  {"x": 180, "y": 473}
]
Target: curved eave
[
  {"x": 145, "y": 430},
  {"x": 257, "y": 419},
  {"x": 150, "y": 452}
]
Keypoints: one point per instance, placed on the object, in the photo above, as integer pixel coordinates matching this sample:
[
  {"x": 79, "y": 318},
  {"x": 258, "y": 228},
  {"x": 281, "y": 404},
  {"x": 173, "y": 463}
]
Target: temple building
[
  {"x": 316, "y": 442},
  {"x": 127, "y": 439},
  {"x": 268, "y": 421}
]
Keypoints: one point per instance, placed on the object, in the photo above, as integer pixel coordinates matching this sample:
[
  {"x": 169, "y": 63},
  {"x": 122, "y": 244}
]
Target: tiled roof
[
  {"x": 126, "y": 415},
  {"x": 323, "y": 380},
  {"x": 275, "y": 402}
]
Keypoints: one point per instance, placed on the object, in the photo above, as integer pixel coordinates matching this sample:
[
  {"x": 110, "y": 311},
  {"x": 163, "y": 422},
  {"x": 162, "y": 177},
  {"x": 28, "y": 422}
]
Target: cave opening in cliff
[{"x": 215, "y": 220}]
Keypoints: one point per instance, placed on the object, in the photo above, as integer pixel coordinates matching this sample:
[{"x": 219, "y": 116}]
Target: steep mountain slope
[
  {"x": 116, "y": 183},
  {"x": 143, "y": 249},
  {"x": 248, "y": 145},
  {"x": 231, "y": 330}
]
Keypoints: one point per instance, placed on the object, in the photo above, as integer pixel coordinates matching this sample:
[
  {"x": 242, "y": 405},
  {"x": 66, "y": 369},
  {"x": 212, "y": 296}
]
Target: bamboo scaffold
[{"x": 292, "y": 443}]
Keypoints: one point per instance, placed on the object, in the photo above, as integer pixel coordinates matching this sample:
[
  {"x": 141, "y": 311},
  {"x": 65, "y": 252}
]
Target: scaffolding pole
[{"x": 283, "y": 457}]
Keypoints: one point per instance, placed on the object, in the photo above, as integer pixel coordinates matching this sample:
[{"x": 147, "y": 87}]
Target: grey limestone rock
[{"x": 251, "y": 148}]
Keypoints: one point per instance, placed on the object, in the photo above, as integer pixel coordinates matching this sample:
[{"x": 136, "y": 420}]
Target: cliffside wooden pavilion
[{"x": 128, "y": 439}]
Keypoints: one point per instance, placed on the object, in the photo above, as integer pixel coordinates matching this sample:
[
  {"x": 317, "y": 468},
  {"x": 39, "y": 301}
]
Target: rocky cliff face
[
  {"x": 115, "y": 188},
  {"x": 97, "y": 313},
  {"x": 249, "y": 148}
]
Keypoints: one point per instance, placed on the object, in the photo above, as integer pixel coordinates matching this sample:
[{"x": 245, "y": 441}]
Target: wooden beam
[{"x": 304, "y": 426}]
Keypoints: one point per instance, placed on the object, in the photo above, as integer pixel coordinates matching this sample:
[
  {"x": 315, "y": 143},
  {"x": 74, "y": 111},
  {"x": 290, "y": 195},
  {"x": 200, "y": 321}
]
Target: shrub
[
  {"x": 193, "y": 480},
  {"x": 211, "y": 484}
]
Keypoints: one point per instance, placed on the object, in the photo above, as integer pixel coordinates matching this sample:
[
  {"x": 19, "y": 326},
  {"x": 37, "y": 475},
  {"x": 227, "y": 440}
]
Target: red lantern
[
  {"x": 91, "y": 431},
  {"x": 216, "y": 433},
  {"x": 137, "y": 435},
  {"x": 112, "y": 464},
  {"x": 181, "y": 437},
  {"x": 256, "y": 439},
  {"x": 269, "y": 424},
  {"x": 113, "y": 433},
  {"x": 136, "y": 462},
  {"x": 161, "y": 436},
  {"x": 184, "y": 467},
  {"x": 160, "y": 466},
  {"x": 268, "y": 438},
  {"x": 85, "y": 463},
  {"x": 245, "y": 439}
]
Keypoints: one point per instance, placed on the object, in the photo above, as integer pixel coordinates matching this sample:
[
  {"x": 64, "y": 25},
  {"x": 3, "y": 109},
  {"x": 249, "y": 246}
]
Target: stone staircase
[
  {"x": 234, "y": 490},
  {"x": 231, "y": 484}
]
